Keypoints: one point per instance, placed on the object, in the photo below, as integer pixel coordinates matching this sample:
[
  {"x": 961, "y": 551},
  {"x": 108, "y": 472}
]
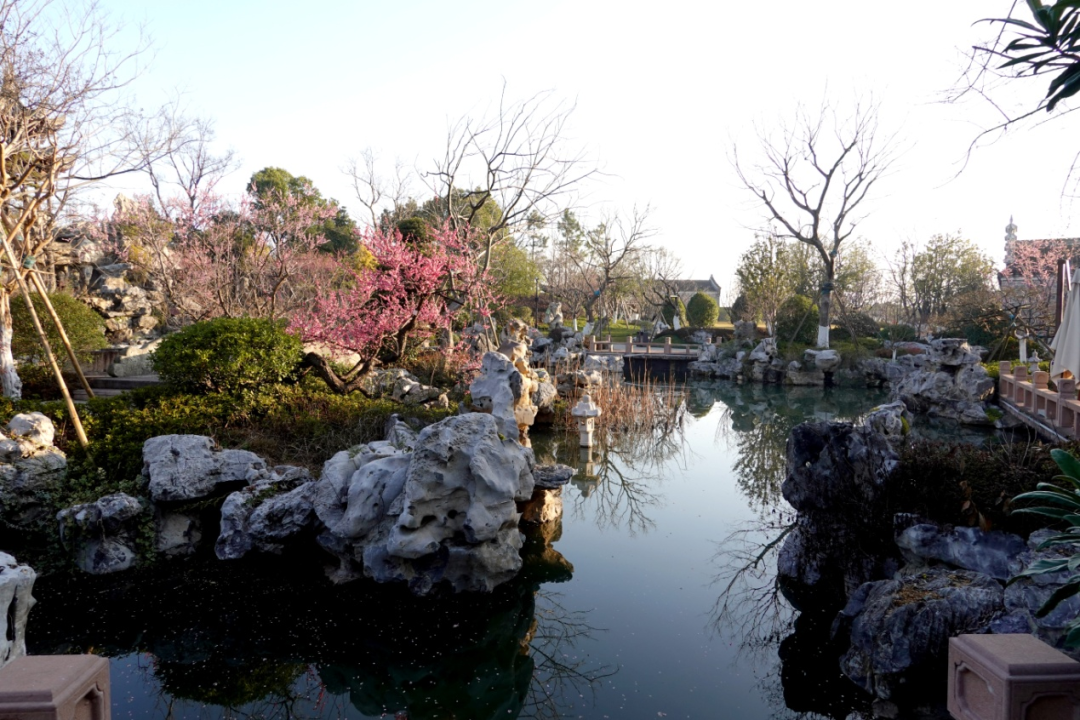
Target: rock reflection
[
  {"x": 757, "y": 420},
  {"x": 807, "y": 682},
  {"x": 272, "y": 639}
]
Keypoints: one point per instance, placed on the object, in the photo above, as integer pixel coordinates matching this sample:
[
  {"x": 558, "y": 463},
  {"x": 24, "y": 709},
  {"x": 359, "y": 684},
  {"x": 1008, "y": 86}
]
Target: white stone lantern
[{"x": 586, "y": 412}]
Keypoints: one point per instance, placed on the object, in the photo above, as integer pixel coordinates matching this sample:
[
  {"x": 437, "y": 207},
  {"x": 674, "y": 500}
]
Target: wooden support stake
[
  {"x": 79, "y": 432},
  {"x": 63, "y": 334}
]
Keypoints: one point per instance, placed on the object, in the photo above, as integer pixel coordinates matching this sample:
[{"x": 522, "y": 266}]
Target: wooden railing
[
  {"x": 630, "y": 347},
  {"x": 1059, "y": 409}
]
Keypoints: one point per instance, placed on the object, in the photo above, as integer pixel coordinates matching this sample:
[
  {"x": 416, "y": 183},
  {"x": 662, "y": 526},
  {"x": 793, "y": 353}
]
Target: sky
[{"x": 660, "y": 96}]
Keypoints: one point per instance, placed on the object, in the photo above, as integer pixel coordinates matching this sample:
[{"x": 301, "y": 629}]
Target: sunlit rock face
[
  {"x": 30, "y": 466},
  {"x": 446, "y": 512},
  {"x": 186, "y": 467},
  {"x": 16, "y": 582},
  {"x": 504, "y": 388}
]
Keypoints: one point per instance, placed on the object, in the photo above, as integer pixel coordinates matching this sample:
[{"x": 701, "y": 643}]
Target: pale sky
[{"x": 662, "y": 94}]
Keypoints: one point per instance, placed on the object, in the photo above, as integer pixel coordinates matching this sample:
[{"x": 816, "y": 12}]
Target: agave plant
[{"x": 1062, "y": 504}]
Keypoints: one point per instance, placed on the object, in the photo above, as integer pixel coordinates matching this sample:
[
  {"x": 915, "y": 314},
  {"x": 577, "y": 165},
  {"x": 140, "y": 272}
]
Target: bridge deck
[{"x": 665, "y": 350}]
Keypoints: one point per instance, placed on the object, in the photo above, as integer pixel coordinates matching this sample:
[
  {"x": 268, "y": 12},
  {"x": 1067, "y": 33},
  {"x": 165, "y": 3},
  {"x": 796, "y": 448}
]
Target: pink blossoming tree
[{"x": 375, "y": 313}]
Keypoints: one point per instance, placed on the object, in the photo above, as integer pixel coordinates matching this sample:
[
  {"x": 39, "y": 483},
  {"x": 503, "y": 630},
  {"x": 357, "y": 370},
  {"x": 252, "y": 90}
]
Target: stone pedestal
[
  {"x": 55, "y": 687},
  {"x": 1011, "y": 677}
]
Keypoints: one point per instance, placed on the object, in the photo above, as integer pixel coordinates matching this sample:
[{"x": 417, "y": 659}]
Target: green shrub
[
  {"x": 228, "y": 355},
  {"x": 797, "y": 321},
  {"x": 702, "y": 311},
  {"x": 84, "y": 327},
  {"x": 669, "y": 309},
  {"x": 740, "y": 309},
  {"x": 861, "y": 324}
]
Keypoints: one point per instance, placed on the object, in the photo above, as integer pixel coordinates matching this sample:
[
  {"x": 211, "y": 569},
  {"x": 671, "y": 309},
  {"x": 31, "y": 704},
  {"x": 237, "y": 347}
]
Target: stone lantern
[{"x": 586, "y": 412}]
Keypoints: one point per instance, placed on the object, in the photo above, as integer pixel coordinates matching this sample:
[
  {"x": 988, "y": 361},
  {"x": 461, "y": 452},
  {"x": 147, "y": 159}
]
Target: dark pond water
[{"x": 654, "y": 599}]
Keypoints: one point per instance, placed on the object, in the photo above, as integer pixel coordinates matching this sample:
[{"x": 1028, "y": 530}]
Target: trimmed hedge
[{"x": 228, "y": 355}]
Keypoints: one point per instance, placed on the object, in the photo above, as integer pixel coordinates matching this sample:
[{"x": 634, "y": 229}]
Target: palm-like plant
[
  {"x": 1049, "y": 44},
  {"x": 1061, "y": 504}
]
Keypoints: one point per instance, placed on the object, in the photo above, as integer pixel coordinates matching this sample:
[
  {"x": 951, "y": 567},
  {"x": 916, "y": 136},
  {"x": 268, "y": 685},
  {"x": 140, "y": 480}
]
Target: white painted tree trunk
[
  {"x": 823, "y": 336},
  {"x": 9, "y": 376}
]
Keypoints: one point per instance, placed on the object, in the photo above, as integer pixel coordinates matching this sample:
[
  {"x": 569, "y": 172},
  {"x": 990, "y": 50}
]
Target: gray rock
[
  {"x": 900, "y": 628},
  {"x": 101, "y": 535},
  {"x": 892, "y": 421},
  {"x": 186, "y": 467},
  {"x": 988, "y": 553},
  {"x": 552, "y": 476},
  {"x": 497, "y": 390},
  {"x": 447, "y": 512},
  {"x": 33, "y": 427},
  {"x": 947, "y": 383},
  {"x": 823, "y": 360},
  {"x": 462, "y": 479},
  {"x": 264, "y": 516},
  {"x": 834, "y": 471},
  {"x": 176, "y": 534},
  {"x": 604, "y": 363},
  {"x": 16, "y": 584},
  {"x": 1024, "y": 597}
]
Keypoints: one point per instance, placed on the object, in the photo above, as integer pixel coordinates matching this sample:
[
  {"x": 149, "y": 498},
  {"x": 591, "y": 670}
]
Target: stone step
[{"x": 124, "y": 383}]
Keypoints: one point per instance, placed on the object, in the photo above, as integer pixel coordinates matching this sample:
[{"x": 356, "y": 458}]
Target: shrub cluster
[
  {"x": 797, "y": 321},
  {"x": 228, "y": 355},
  {"x": 966, "y": 484}
]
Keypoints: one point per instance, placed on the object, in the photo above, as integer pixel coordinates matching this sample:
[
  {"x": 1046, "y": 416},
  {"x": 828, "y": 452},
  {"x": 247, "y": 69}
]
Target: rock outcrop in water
[
  {"x": 903, "y": 594},
  {"x": 16, "y": 584},
  {"x": 102, "y": 535},
  {"x": 428, "y": 508},
  {"x": 446, "y": 511},
  {"x": 949, "y": 383},
  {"x": 835, "y": 472}
]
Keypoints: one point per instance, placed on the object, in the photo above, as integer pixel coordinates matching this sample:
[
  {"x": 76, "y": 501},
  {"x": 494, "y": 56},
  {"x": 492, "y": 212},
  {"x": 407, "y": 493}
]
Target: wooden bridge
[{"x": 659, "y": 350}]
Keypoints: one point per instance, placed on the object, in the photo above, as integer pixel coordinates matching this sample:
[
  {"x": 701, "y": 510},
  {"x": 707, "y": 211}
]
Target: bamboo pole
[
  {"x": 79, "y": 432},
  {"x": 63, "y": 334}
]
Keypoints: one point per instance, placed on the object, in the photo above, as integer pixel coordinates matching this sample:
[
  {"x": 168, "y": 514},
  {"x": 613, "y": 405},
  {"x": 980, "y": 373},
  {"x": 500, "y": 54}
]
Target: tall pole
[{"x": 536, "y": 307}]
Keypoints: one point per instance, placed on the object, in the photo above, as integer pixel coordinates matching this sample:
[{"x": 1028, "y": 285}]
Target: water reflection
[
  {"x": 755, "y": 423},
  {"x": 618, "y": 479},
  {"x": 272, "y": 639}
]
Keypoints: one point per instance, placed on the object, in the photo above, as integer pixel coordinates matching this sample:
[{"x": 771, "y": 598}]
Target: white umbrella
[{"x": 1066, "y": 343}]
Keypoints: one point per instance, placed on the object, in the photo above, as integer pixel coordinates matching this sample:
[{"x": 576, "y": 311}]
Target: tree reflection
[
  {"x": 267, "y": 640},
  {"x": 756, "y": 422},
  {"x": 617, "y": 479}
]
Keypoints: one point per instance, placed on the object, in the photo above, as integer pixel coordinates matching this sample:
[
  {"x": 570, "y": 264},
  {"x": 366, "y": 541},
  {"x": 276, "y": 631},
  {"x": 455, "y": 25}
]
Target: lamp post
[{"x": 536, "y": 307}]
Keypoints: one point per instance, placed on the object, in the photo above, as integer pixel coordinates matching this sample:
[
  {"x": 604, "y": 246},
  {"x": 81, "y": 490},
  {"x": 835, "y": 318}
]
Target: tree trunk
[
  {"x": 825, "y": 308},
  {"x": 9, "y": 377}
]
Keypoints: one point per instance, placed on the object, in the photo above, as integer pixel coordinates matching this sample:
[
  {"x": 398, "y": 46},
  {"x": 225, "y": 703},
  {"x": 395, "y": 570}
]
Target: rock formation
[
  {"x": 30, "y": 466},
  {"x": 16, "y": 583},
  {"x": 102, "y": 535}
]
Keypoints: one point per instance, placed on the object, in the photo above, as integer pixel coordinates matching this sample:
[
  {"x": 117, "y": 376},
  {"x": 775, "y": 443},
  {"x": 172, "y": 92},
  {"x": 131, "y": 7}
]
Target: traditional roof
[{"x": 693, "y": 286}]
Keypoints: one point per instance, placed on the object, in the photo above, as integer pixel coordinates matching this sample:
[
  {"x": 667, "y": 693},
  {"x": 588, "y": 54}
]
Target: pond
[{"x": 653, "y": 599}]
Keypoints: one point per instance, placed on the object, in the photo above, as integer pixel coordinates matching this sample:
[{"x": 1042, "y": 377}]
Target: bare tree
[
  {"x": 59, "y": 112},
  {"x": 813, "y": 179},
  {"x": 517, "y": 158},
  {"x": 174, "y": 150},
  {"x": 383, "y": 198},
  {"x": 607, "y": 254}
]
